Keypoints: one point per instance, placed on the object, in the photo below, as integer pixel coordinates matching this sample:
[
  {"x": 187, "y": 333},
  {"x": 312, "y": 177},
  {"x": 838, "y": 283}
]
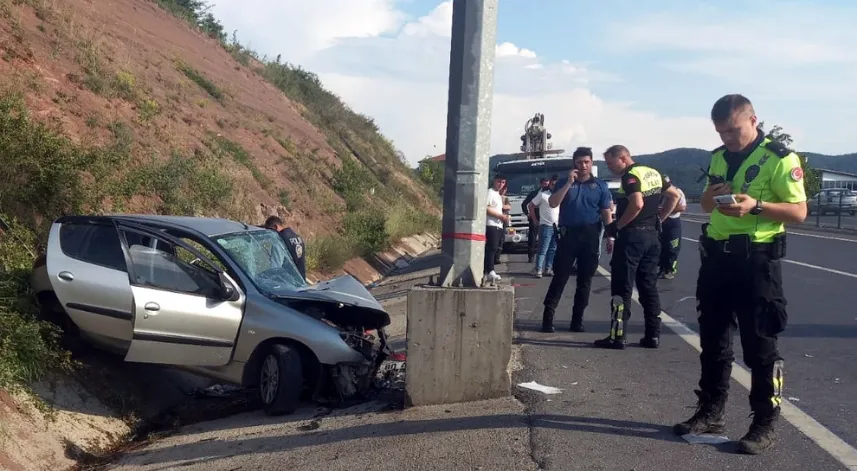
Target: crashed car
[{"x": 216, "y": 297}]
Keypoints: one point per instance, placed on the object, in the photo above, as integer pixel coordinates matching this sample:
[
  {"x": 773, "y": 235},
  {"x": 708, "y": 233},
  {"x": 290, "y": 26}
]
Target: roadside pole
[
  {"x": 460, "y": 334},
  {"x": 468, "y": 140}
]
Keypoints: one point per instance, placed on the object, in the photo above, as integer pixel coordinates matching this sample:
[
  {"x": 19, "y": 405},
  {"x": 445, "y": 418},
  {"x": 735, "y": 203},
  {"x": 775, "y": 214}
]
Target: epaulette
[
  {"x": 718, "y": 149},
  {"x": 778, "y": 149}
]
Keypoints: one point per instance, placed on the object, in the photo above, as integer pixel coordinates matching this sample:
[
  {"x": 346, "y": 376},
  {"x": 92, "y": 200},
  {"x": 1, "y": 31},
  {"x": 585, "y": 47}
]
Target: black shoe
[
  {"x": 650, "y": 342},
  {"x": 576, "y": 326},
  {"x": 761, "y": 435},
  {"x": 530, "y": 259},
  {"x": 547, "y": 321},
  {"x": 707, "y": 419},
  {"x": 614, "y": 344}
]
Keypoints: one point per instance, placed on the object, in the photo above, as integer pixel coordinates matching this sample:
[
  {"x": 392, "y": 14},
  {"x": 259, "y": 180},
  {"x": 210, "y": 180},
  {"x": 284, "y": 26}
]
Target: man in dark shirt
[
  {"x": 637, "y": 249},
  {"x": 584, "y": 209},
  {"x": 294, "y": 242},
  {"x": 533, "y": 232}
]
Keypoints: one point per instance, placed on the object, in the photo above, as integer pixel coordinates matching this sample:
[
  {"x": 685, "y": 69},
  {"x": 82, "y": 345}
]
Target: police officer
[
  {"x": 740, "y": 274},
  {"x": 584, "y": 203},
  {"x": 294, "y": 242},
  {"x": 637, "y": 247},
  {"x": 671, "y": 237}
]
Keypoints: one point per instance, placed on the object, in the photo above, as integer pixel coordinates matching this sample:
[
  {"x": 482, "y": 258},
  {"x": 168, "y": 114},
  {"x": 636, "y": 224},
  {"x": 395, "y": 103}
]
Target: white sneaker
[{"x": 492, "y": 277}]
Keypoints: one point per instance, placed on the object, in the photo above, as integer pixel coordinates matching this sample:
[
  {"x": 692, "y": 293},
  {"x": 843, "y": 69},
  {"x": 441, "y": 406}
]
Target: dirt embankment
[{"x": 126, "y": 73}]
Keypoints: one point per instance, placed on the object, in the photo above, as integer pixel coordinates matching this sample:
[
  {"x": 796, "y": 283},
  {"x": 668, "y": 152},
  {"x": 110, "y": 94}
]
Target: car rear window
[{"x": 93, "y": 243}]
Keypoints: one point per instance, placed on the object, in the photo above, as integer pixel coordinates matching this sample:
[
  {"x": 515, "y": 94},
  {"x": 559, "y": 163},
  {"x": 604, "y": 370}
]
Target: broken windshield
[{"x": 265, "y": 259}]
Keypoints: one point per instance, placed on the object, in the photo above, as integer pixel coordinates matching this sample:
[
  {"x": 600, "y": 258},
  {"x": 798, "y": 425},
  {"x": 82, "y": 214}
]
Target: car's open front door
[{"x": 187, "y": 311}]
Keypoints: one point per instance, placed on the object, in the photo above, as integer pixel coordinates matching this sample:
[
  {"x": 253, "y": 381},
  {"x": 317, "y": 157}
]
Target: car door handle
[
  {"x": 65, "y": 275},
  {"x": 152, "y": 307}
]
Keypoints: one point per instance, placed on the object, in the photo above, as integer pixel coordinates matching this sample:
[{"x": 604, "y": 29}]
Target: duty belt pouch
[
  {"x": 778, "y": 247},
  {"x": 738, "y": 244}
]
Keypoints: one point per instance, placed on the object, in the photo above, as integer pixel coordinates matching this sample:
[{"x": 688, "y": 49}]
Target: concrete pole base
[{"x": 459, "y": 344}]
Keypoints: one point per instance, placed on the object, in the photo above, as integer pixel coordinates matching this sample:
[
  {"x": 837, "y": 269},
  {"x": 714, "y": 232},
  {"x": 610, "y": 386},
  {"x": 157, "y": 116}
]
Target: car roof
[{"x": 207, "y": 226}]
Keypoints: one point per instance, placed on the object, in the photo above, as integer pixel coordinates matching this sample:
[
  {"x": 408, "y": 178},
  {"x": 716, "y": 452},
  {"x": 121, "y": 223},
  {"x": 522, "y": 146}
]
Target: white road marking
[
  {"x": 807, "y": 265},
  {"x": 827, "y": 440},
  {"x": 804, "y": 234}
]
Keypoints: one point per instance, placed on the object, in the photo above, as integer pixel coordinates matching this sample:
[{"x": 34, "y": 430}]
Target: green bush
[
  {"x": 403, "y": 221},
  {"x": 327, "y": 254},
  {"x": 29, "y": 348},
  {"x": 367, "y": 230},
  {"x": 351, "y": 182}
]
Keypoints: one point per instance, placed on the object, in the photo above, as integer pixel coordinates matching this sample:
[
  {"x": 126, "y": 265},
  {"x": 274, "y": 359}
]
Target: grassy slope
[{"x": 135, "y": 106}]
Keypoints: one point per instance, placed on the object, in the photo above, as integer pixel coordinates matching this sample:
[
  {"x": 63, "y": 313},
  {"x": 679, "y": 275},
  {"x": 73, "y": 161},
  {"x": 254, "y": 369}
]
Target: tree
[
  {"x": 811, "y": 178},
  {"x": 431, "y": 173}
]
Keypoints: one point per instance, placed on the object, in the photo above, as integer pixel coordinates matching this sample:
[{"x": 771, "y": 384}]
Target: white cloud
[{"x": 397, "y": 71}]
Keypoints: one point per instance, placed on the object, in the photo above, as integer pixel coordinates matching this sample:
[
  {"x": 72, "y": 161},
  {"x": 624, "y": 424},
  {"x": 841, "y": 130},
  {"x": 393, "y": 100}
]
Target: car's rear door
[
  {"x": 86, "y": 267},
  {"x": 180, "y": 315}
]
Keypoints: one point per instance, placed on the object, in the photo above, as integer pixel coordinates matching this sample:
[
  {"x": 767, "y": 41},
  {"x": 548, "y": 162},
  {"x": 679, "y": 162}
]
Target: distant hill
[{"x": 683, "y": 164}]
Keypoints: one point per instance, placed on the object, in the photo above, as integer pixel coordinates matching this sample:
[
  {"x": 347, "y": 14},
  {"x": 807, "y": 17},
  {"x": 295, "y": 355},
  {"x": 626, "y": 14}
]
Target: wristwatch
[{"x": 756, "y": 209}]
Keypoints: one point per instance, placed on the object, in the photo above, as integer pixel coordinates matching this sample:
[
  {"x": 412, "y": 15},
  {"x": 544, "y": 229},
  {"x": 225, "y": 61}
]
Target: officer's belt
[
  {"x": 738, "y": 246},
  {"x": 563, "y": 230}
]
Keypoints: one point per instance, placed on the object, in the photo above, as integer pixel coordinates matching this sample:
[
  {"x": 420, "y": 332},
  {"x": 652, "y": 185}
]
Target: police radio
[{"x": 712, "y": 179}]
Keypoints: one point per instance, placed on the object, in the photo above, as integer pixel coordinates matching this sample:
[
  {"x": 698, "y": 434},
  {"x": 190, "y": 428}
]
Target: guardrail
[{"x": 831, "y": 208}]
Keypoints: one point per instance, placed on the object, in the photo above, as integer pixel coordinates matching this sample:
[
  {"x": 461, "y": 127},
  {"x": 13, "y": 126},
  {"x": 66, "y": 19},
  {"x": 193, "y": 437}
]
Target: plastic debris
[
  {"x": 705, "y": 439},
  {"x": 218, "y": 390},
  {"x": 532, "y": 385},
  {"x": 794, "y": 399},
  {"x": 808, "y": 355}
]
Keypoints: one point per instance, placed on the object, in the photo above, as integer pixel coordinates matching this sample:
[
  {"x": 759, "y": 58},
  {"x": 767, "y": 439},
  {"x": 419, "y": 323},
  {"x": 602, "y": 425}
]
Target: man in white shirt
[
  {"x": 494, "y": 222},
  {"x": 671, "y": 238},
  {"x": 548, "y": 217}
]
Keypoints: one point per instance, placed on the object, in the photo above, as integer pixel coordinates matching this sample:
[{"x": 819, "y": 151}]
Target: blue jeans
[{"x": 547, "y": 247}]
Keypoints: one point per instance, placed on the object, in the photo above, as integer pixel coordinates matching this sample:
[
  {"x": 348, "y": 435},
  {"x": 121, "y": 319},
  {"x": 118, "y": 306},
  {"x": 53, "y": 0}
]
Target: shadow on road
[{"x": 208, "y": 450}]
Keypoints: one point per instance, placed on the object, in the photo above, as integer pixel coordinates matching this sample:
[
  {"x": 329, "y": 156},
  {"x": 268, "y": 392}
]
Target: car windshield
[
  {"x": 265, "y": 259},
  {"x": 523, "y": 182}
]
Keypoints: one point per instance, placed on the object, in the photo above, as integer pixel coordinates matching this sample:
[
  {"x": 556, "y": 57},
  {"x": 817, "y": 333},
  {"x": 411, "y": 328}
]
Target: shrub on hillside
[
  {"x": 29, "y": 348},
  {"x": 367, "y": 230},
  {"x": 403, "y": 221}
]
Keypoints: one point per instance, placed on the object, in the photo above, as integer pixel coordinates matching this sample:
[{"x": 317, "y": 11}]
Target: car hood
[{"x": 356, "y": 304}]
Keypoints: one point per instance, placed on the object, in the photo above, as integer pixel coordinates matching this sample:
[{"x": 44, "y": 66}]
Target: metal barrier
[{"x": 830, "y": 208}]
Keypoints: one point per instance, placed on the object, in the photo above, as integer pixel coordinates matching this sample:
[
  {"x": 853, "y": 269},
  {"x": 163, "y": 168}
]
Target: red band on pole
[{"x": 465, "y": 236}]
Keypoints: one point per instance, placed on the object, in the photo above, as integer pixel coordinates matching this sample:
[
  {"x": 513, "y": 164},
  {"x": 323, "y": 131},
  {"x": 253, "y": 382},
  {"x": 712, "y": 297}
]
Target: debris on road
[
  {"x": 808, "y": 355},
  {"x": 705, "y": 439},
  {"x": 217, "y": 390},
  {"x": 794, "y": 399},
  {"x": 540, "y": 388}
]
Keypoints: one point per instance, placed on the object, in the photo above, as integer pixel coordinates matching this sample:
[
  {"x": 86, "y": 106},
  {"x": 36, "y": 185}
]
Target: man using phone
[
  {"x": 637, "y": 248},
  {"x": 584, "y": 208},
  {"x": 740, "y": 276}
]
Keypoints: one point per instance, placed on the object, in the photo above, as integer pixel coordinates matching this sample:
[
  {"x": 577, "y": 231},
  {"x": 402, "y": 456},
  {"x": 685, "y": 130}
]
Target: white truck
[{"x": 522, "y": 177}]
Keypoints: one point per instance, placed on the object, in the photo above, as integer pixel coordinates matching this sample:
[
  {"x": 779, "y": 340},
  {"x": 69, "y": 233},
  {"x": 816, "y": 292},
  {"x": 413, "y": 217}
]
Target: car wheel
[{"x": 280, "y": 380}]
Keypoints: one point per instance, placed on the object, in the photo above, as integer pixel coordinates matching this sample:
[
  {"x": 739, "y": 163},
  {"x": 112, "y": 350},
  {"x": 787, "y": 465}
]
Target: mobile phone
[{"x": 725, "y": 199}]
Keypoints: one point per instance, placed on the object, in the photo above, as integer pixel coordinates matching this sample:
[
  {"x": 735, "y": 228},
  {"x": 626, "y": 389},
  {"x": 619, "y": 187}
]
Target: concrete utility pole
[
  {"x": 459, "y": 334},
  {"x": 468, "y": 140}
]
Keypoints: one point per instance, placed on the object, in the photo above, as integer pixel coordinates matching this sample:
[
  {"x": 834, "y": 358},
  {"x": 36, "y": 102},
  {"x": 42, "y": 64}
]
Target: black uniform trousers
[
  {"x": 574, "y": 244},
  {"x": 747, "y": 288},
  {"x": 635, "y": 260},
  {"x": 493, "y": 239},
  {"x": 532, "y": 240},
  {"x": 670, "y": 244}
]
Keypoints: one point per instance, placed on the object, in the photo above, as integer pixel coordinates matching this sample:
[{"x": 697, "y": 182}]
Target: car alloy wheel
[{"x": 270, "y": 379}]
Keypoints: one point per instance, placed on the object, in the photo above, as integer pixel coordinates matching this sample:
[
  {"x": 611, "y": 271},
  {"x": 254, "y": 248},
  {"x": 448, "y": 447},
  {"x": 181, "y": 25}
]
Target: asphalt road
[
  {"x": 619, "y": 407},
  {"x": 830, "y": 220}
]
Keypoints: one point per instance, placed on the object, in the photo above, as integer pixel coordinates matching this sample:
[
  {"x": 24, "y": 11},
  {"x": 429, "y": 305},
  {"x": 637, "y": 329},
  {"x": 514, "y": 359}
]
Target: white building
[{"x": 836, "y": 179}]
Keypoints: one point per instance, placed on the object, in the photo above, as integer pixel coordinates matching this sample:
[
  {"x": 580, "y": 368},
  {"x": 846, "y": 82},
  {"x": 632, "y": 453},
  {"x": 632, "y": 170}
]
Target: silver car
[
  {"x": 217, "y": 297},
  {"x": 833, "y": 200}
]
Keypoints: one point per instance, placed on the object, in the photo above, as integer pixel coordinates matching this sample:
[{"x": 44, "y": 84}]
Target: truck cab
[{"x": 522, "y": 177}]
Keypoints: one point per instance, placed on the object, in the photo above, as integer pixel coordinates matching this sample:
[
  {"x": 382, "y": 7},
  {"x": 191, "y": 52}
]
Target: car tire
[{"x": 280, "y": 380}]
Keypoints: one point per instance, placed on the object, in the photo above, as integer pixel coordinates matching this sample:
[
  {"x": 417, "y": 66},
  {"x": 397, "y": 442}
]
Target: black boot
[
  {"x": 707, "y": 419},
  {"x": 616, "y": 339},
  {"x": 576, "y": 323},
  {"x": 653, "y": 333},
  {"x": 547, "y": 321},
  {"x": 761, "y": 435}
]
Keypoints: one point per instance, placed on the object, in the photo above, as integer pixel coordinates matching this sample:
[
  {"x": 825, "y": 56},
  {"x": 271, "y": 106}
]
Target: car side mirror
[{"x": 228, "y": 291}]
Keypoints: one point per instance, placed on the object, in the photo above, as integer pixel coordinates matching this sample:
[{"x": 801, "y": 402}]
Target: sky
[{"x": 642, "y": 74}]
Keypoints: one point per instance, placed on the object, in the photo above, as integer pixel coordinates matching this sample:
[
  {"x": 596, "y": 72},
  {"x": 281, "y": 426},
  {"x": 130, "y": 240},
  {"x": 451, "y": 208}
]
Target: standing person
[
  {"x": 584, "y": 207},
  {"x": 548, "y": 217},
  {"x": 507, "y": 208},
  {"x": 740, "y": 274},
  {"x": 671, "y": 238},
  {"x": 636, "y": 249},
  {"x": 294, "y": 242},
  {"x": 494, "y": 227},
  {"x": 533, "y": 222}
]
